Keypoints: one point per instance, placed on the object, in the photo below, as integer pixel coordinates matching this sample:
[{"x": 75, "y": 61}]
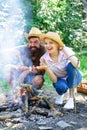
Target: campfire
[
  {"x": 36, "y": 110},
  {"x": 31, "y": 102}
]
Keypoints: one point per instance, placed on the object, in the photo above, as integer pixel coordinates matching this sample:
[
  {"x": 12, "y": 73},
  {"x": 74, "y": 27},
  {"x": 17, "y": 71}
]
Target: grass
[
  {"x": 83, "y": 65},
  {"x": 4, "y": 87},
  {"x": 48, "y": 84}
]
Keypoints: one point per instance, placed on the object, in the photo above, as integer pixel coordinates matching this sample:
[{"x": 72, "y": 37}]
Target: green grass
[
  {"x": 47, "y": 84},
  {"x": 4, "y": 87},
  {"x": 83, "y": 65}
]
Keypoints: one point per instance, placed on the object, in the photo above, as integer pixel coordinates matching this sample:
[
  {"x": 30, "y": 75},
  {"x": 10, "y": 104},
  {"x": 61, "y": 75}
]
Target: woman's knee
[{"x": 61, "y": 86}]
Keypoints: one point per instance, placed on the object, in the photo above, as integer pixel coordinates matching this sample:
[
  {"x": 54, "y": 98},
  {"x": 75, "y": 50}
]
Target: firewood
[
  {"x": 52, "y": 108},
  {"x": 28, "y": 87},
  {"x": 40, "y": 112},
  {"x": 4, "y": 117},
  {"x": 24, "y": 108},
  {"x": 3, "y": 108},
  {"x": 36, "y": 98},
  {"x": 30, "y": 112}
]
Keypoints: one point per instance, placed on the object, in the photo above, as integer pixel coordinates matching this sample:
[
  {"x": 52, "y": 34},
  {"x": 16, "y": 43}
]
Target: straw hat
[
  {"x": 53, "y": 36},
  {"x": 33, "y": 32}
]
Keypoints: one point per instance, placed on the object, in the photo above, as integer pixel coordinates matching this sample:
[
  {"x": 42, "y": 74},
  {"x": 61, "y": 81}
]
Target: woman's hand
[
  {"x": 52, "y": 76},
  {"x": 71, "y": 56},
  {"x": 43, "y": 63}
]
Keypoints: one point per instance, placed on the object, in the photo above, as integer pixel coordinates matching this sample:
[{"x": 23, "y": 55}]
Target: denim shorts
[{"x": 28, "y": 79}]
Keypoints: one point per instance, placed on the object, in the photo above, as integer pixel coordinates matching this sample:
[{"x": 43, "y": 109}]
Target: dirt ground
[{"x": 69, "y": 119}]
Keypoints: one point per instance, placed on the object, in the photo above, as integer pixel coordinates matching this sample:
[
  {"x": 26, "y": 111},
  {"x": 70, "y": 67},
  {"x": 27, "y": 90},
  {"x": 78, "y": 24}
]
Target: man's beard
[{"x": 34, "y": 49}]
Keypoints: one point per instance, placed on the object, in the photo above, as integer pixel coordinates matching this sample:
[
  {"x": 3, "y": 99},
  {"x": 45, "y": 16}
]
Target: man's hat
[
  {"x": 33, "y": 32},
  {"x": 53, "y": 36}
]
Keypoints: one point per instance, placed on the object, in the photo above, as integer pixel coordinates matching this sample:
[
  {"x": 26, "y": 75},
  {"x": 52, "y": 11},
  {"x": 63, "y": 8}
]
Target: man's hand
[{"x": 22, "y": 76}]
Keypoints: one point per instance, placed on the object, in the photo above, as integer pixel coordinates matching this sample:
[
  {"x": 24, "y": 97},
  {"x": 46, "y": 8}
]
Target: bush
[{"x": 64, "y": 17}]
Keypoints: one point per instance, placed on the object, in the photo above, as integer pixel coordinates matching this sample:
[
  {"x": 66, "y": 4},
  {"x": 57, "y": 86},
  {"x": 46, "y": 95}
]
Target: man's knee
[{"x": 37, "y": 81}]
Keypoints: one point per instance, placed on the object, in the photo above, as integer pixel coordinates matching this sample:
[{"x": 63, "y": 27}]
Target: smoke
[
  {"x": 13, "y": 17},
  {"x": 12, "y": 25}
]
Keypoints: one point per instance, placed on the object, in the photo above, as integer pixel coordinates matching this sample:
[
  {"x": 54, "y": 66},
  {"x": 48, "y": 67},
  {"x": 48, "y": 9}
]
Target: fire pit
[{"x": 42, "y": 117}]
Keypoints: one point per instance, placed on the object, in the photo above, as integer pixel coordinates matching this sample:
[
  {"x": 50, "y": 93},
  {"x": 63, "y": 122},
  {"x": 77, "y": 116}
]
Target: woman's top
[{"x": 58, "y": 68}]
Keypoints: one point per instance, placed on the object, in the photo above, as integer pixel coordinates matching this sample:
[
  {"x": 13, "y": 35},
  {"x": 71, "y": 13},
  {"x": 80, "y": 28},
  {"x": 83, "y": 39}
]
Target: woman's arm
[
  {"x": 52, "y": 76},
  {"x": 71, "y": 56}
]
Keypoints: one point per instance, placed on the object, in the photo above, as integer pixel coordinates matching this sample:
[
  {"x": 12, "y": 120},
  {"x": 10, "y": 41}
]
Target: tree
[{"x": 64, "y": 17}]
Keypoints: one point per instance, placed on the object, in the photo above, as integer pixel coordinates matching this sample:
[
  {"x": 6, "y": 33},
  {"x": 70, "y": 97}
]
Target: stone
[{"x": 63, "y": 124}]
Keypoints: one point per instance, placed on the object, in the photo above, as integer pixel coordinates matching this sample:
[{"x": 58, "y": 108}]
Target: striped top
[{"x": 58, "y": 68}]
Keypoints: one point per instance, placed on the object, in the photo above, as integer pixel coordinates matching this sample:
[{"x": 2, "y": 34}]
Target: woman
[{"x": 61, "y": 65}]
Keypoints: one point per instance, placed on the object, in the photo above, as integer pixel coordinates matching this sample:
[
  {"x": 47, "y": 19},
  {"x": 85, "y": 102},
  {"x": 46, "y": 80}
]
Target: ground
[{"x": 69, "y": 119}]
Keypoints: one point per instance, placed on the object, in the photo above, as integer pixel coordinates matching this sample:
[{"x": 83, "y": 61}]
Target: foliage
[{"x": 62, "y": 16}]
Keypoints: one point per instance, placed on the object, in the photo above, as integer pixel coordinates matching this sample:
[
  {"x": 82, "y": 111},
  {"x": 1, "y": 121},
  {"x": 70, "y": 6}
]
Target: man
[{"x": 29, "y": 56}]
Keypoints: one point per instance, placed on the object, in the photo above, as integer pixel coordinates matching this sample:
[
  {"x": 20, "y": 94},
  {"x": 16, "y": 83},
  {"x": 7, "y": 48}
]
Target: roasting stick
[
  {"x": 20, "y": 67},
  {"x": 43, "y": 67}
]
